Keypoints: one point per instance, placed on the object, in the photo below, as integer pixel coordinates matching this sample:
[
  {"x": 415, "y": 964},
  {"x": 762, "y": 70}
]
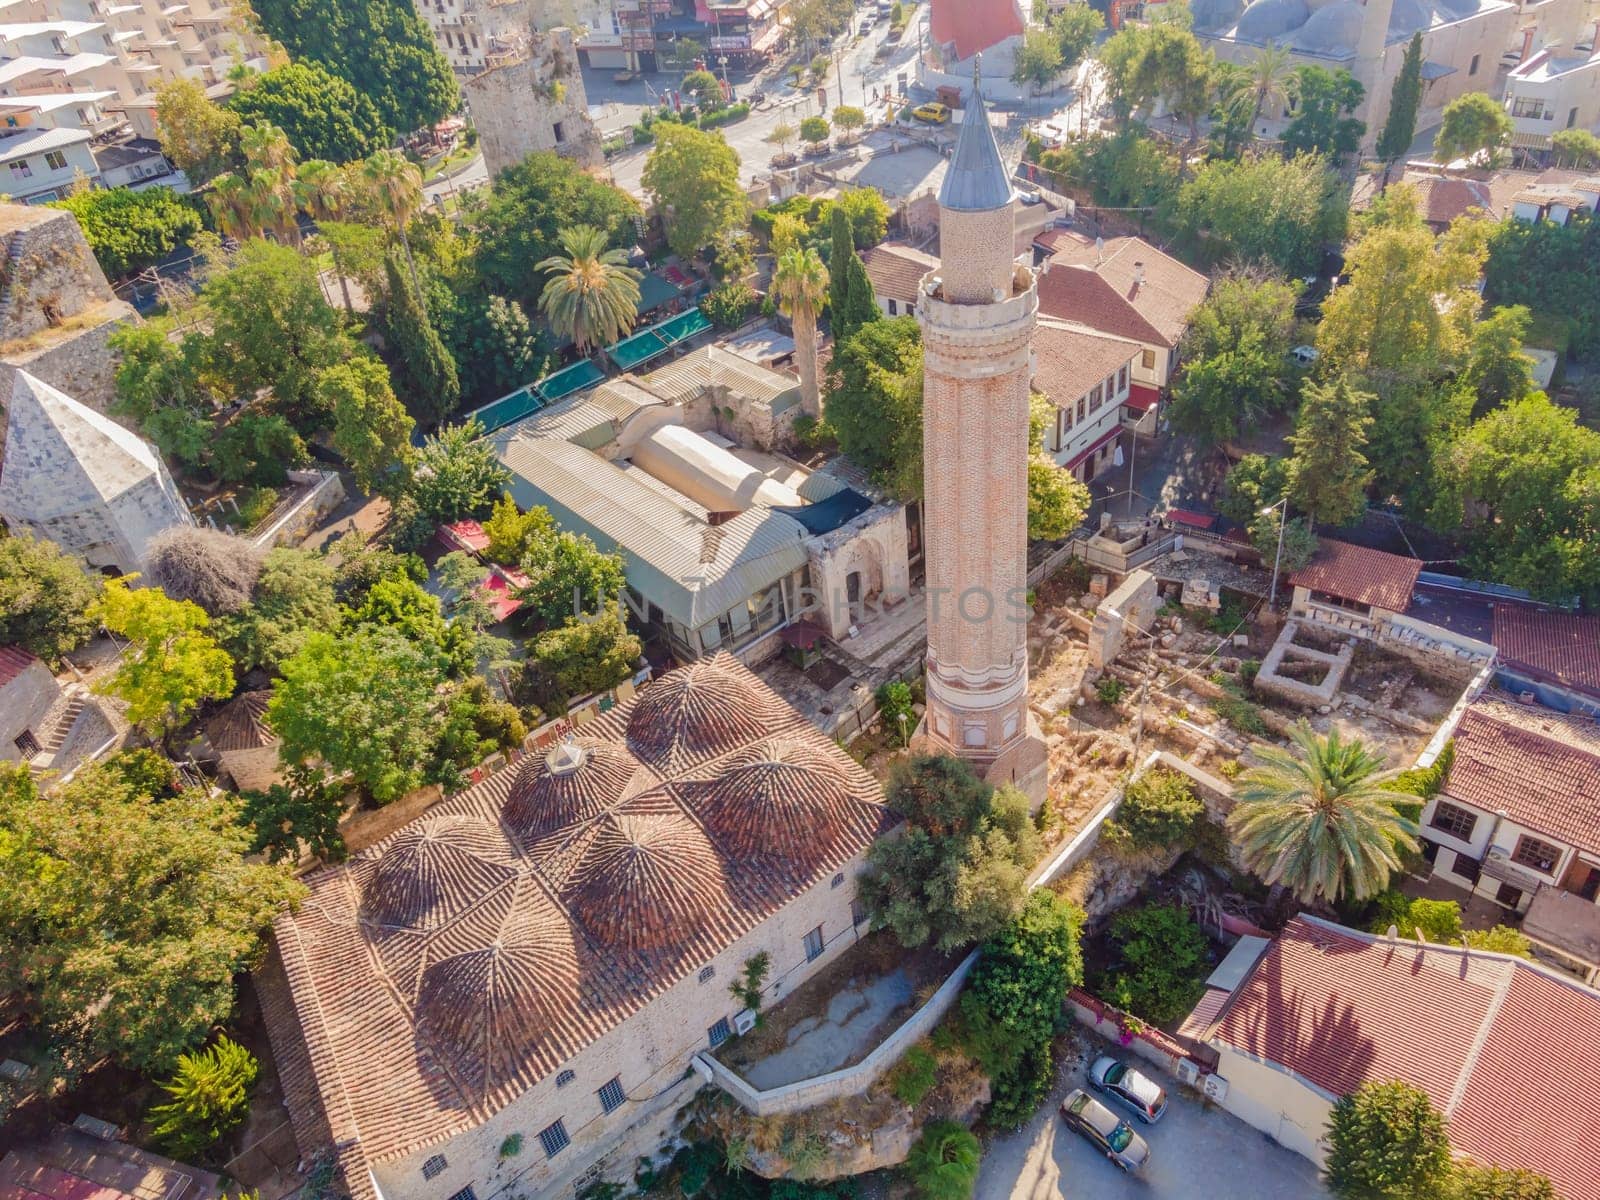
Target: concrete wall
[
  {"x": 516, "y": 112},
  {"x": 290, "y": 527},
  {"x": 1289, "y": 1110},
  {"x": 253, "y": 770}
]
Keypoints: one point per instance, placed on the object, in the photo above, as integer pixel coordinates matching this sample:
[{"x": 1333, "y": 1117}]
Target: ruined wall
[
  {"x": 77, "y": 360},
  {"x": 48, "y": 273},
  {"x": 523, "y": 101}
]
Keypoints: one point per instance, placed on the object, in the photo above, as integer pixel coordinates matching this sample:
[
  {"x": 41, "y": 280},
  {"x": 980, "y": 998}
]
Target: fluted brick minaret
[{"x": 977, "y": 312}]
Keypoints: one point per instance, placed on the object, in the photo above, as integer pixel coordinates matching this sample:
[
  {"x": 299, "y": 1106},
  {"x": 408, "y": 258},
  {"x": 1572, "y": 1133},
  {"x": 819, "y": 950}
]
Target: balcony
[{"x": 1497, "y": 864}]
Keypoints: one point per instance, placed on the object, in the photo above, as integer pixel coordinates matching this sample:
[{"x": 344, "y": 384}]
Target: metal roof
[
  {"x": 976, "y": 180},
  {"x": 714, "y": 366},
  {"x": 693, "y": 570},
  {"x": 590, "y": 420}
]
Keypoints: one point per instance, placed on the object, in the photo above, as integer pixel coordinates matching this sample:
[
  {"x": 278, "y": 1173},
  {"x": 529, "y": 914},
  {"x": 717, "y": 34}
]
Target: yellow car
[{"x": 933, "y": 114}]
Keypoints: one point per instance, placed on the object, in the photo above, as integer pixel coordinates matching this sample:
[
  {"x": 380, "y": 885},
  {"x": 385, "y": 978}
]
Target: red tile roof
[
  {"x": 1071, "y": 360},
  {"x": 1168, "y": 293},
  {"x": 896, "y": 271},
  {"x": 1077, "y": 294},
  {"x": 1563, "y": 647},
  {"x": 444, "y": 971},
  {"x": 14, "y": 660},
  {"x": 1372, "y": 577},
  {"x": 1534, "y": 765},
  {"x": 973, "y": 25},
  {"x": 1508, "y": 1051}
]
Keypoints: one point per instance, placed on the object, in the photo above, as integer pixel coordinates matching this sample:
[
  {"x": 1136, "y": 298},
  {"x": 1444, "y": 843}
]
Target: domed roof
[
  {"x": 433, "y": 870},
  {"x": 1216, "y": 14},
  {"x": 499, "y": 991},
  {"x": 1268, "y": 20},
  {"x": 779, "y": 798},
  {"x": 1455, "y": 10},
  {"x": 648, "y": 879},
  {"x": 1408, "y": 17},
  {"x": 696, "y": 713},
  {"x": 1336, "y": 27},
  {"x": 576, "y": 781}
]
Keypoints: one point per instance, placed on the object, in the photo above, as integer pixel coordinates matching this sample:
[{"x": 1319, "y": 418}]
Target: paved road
[
  {"x": 472, "y": 175},
  {"x": 1194, "y": 1151}
]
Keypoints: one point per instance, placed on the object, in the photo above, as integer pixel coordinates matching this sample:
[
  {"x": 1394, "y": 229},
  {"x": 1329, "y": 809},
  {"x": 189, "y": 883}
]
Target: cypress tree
[
  {"x": 426, "y": 366},
  {"x": 1404, "y": 100},
  {"x": 851, "y": 302}
]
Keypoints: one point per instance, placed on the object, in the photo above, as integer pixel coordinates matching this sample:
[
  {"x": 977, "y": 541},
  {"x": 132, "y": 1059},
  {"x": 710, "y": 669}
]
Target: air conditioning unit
[
  {"x": 1215, "y": 1087},
  {"x": 743, "y": 1021},
  {"x": 1187, "y": 1072}
]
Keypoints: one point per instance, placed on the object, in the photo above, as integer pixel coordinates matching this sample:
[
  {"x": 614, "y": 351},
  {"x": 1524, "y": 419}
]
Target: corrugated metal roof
[
  {"x": 590, "y": 420},
  {"x": 693, "y": 570},
  {"x": 712, "y": 366}
]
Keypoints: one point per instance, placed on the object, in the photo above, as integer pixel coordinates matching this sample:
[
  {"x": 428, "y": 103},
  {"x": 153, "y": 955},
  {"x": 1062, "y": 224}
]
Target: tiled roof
[
  {"x": 1508, "y": 1051},
  {"x": 1541, "y": 768},
  {"x": 446, "y": 970},
  {"x": 896, "y": 270},
  {"x": 1069, "y": 361},
  {"x": 241, "y": 723},
  {"x": 14, "y": 660},
  {"x": 1440, "y": 198},
  {"x": 973, "y": 25},
  {"x": 1373, "y": 577},
  {"x": 1169, "y": 293},
  {"x": 1562, "y": 646},
  {"x": 1077, "y": 294}
]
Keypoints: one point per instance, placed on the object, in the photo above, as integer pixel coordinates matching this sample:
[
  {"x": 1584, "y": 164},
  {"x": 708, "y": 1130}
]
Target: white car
[
  {"x": 1121, "y": 1082},
  {"x": 1305, "y": 355}
]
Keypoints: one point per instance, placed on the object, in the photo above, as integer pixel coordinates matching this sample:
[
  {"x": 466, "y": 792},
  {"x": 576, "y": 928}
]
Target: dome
[
  {"x": 1269, "y": 20},
  {"x": 1336, "y": 27},
  {"x": 1216, "y": 14},
  {"x": 697, "y": 713},
  {"x": 648, "y": 879},
  {"x": 578, "y": 780},
  {"x": 500, "y": 990},
  {"x": 1408, "y": 17},
  {"x": 1455, "y": 10},
  {"x": 433, "y": 870},
  {"x": 779, "y": 798}
]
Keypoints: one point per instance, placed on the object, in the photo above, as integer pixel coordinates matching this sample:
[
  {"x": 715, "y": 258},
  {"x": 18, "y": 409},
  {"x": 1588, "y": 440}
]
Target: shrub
[
  {"x": 914, "y": 1076},
  {"x": 1158, "y": 809},
  {"x": 1241, "y": 714},
  {"x": 1161, "y": 962},
  {"x": 210, "y": 1096},
  {"x": 1111, "y": 690},
  {"x": 895, "y": 706},
  {"x": 255, "y": 506},
  {"x": 1469, "y": 1181},
  {"x": 215, "y": 570},
  {"x": 943, "y": 1165},
  {"x": 729, "y": 305},
  {"x": 1386, "y": 1141},
  {"x": 643, "y": 135},
  {"x": 1502, "y": 939}
]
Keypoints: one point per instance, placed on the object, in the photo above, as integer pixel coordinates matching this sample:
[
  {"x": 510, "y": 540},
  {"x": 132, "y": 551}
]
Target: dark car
[
  {"x": 1121, "y": 1082},
  {"x": 1107, "y": 1132}
]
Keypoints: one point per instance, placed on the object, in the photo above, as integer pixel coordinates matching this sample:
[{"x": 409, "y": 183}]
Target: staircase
[
  {"x": 57, "y": 726},
  {"x": 9, "y": 270}
]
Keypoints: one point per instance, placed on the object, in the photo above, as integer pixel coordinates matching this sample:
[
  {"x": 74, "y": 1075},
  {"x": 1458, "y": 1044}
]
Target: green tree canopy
[
  {"x": 323, "y": 116},
  {"x": 1545, "y": 266},
  {"x": 1283, "y": 211},
  {"x": 208, "y": 1096},
  {"x": 693, "y": 177},
  {"x": 577, "y": 659},
  {"x": 943, "y": 1164},
  {"x": 1236, "y": 371},
  {"x": 1038, "y": 60},
  {"x": 170, "y": 663},
  {"x": 130, "y": 230},
  {"x": 1323, "y": 122},
  {"x": 371, "y": 428},
  {"x": 876, "y": 418},
  {"x": 1405, "y": 97},
  {"x": 293, "y": 597},
  {"x": 45, "y": 598},
  {"x": 1160, "y": 965},
  {"x": 123, "y": 919},
  {"x": 1328, "y": 474},
  {"x": 1497, "y": 369},
  {"x": 1386, "y": 1141},
  {"x": 201, "y": 138},
  {"x": 1472, "y": 123},
  {"x": 566, "y": 570},
  {"x": 457, "y": 474},
  {"x": 851, "y": 300},
  {"x": 1158, "y": 61},
  {"x": 1075, "y": 28},
  {"x": 1576, "y": 148},
  {"x": 428, "y": 372}
]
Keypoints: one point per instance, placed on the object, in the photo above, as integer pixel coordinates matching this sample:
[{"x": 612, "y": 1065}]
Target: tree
[
  {"x": 800, "y": 284},
  {"x": 130, "y": 230},
  {"x": 1576, "y": 148},
  {"x": 593, "y": 294},
  {"x": 958, "y": 873},
  {"x": 874, "y": 414},
  {"x": 1160, "y": 964},
  {"x": 215, "y": 570},
  {"x": 1237, "y": 370},
  {"x": 1289, "y": 548},
  {"x": 170, "y": 663},
  {"x": 363, "y": 704},
  {"x": 395, "y": 184},
  {"x": 567, "y": 575},
  {"x": 1038, "y": 59},
  {"x": 1075, "y": 28},
  {"x": 209, "y": 1097},
  {"x": 513, "y": 533},
  {"x": 526, "y": 210},
  {"x": 1266, "y": 209},
  {"x": 1253, "y": 483},
  {"x": 1497, "y": 369},
  {"x": 457, "y": 474},
  {"x": 371, "y": 428},
  {"x": 45, "y": 598},
  {"x": 693, "y": 177},
  {"x": 427, "y": 368},
  {"x": 943, "y": 1164},
  {"x": 1405, "y": 97},
  {"x": 579, "y": 658},
  {"x": 1320, "y": 819},
  {"x": 851, "y": 300},
  {"x": 123, "y": 920},
  {"x": 381, "y": 47},
  {"x": 1144, "y": 63},
  {"x": 322, "y": 115},
  {"x": 728, "y": 306},
  {"x": 494, "y": 346},
  {"x": 1269, "y": 79},
  {"x": 1544, "y": 265},
  {"x": 1499, "y": 939},
  {"x": 782, "y": 135},
  {"x": 293, "y": 598},
  {"x": 1386, "y": 1141},
  {"x": 1525, "y": 481},
  {"x": 814, "y": 130},
  {"x": 201, "y": 138},
  {"x": 1328, "y": 474},
  {"x": 1322, "y": 122},
  {"x": 1057, "y": 501},
  {"x": 257, "y": 447},
  {"x": 1158, "y": 809},
  {"x": 1469, "y": 1181},
  {"x": 847, "y": 118},
  {"x": 868, "y": 212},
  {"x": 704, "y": 87},
  {"x": 1472, "y": 124}
]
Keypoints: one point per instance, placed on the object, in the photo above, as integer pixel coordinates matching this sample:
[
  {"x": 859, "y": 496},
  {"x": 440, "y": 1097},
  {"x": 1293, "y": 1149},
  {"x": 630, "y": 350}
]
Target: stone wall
[
  {"x": 74, "y": 358},
  {"x": 516, "y": 106},
  {"x": 48, "y": 273},
  {"x": 24, "y": 702}
]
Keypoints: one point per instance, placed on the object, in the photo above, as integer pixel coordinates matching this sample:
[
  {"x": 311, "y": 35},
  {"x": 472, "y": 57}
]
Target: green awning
[
  {"x": 502, "y": 412},
  {"x": 564, "y": 382},
  {"x": 654, "y": 291},
  {"x": 635, "y": 351}
]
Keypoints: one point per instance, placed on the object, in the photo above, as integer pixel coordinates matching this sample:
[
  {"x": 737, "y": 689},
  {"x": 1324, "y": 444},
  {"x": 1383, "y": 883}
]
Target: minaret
[{"x": 977, "y": 312}]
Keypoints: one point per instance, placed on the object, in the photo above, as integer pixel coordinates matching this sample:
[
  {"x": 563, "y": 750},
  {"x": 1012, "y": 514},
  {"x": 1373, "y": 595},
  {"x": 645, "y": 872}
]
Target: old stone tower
[{"x": 977, "y": 312}]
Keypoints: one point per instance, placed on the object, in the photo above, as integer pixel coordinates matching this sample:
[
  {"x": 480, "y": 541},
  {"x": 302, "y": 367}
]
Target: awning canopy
[
  {"x": 526, "y": 401},
  {"x": 571, "y": 379},
  {"x": 633, "y": 352}
]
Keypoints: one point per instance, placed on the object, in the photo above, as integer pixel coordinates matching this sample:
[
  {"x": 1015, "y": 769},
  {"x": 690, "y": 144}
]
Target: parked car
[
  {"x": 1305, "y": 356},
  {"x": 1107, "y": 1132},
  {"x": 933, "y": 113},
  {"x": 1121, "y": 1082}
]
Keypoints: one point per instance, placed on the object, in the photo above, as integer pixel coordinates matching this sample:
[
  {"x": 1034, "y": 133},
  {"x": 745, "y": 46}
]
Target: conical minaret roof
[{"x": 976, "y": 180}]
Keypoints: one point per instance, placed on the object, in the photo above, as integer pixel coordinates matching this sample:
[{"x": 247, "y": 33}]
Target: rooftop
[
  {"x": 443, "y": 972},
  {"x": 1146, "y": 287},
  {"x": 37, "y": 141},
  {"x": 1069, "y": 359},
  {"x": 1356, "y": 573},
  {"x": 14, "y": 660},
  {"x": 1339, "y": 1008},
  {"x": 973, "y": 25},
  {"x": 1561, "y": 646},
  {"x": 977, "y": 179},
  {"x": 896, "y": 270},
  {"x": 241, "y": 723},
  {"x": 72, "y": 1165}
]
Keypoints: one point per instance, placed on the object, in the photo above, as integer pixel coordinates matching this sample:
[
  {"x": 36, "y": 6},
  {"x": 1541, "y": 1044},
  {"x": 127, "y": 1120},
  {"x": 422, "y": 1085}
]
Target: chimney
[
  {"x": 1527, "y": 43},
  {"x": 1138, "y": 275}
]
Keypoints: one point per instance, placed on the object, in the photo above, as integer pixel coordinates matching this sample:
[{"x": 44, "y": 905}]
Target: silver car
[
  {"x": 1120, "y": 1081},
  {"x": 1107, "y": 1132}
]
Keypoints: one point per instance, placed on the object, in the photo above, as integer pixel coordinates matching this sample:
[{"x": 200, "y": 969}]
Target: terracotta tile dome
[
  {"x": 576, "y": 781},
  {"x": 697, "y": 713},
  {"x": 433, "y": 870},
  {"x": 647, "y": 878},
  {"x": 497, "y": 994}
]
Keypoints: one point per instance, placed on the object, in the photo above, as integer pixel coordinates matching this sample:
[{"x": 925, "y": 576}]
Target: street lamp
[{"x": 1272, "y": 600}]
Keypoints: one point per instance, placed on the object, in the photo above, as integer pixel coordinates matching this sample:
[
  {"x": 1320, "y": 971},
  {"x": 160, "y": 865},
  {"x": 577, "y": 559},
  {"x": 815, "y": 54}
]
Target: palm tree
[
  {"x": 1319, "y": 820},
  {"x": 272, "y": 202},
  {"x": 324, "y": 190},
  {"x": 1268, "y": 73},
  {"x": 593, "y": 295},
  {"x": 396, "y": 184},
  {"x": 266, "y": 147},
  {"x": 233, "y": 206},
  {"x": 800, "y": 283}
]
